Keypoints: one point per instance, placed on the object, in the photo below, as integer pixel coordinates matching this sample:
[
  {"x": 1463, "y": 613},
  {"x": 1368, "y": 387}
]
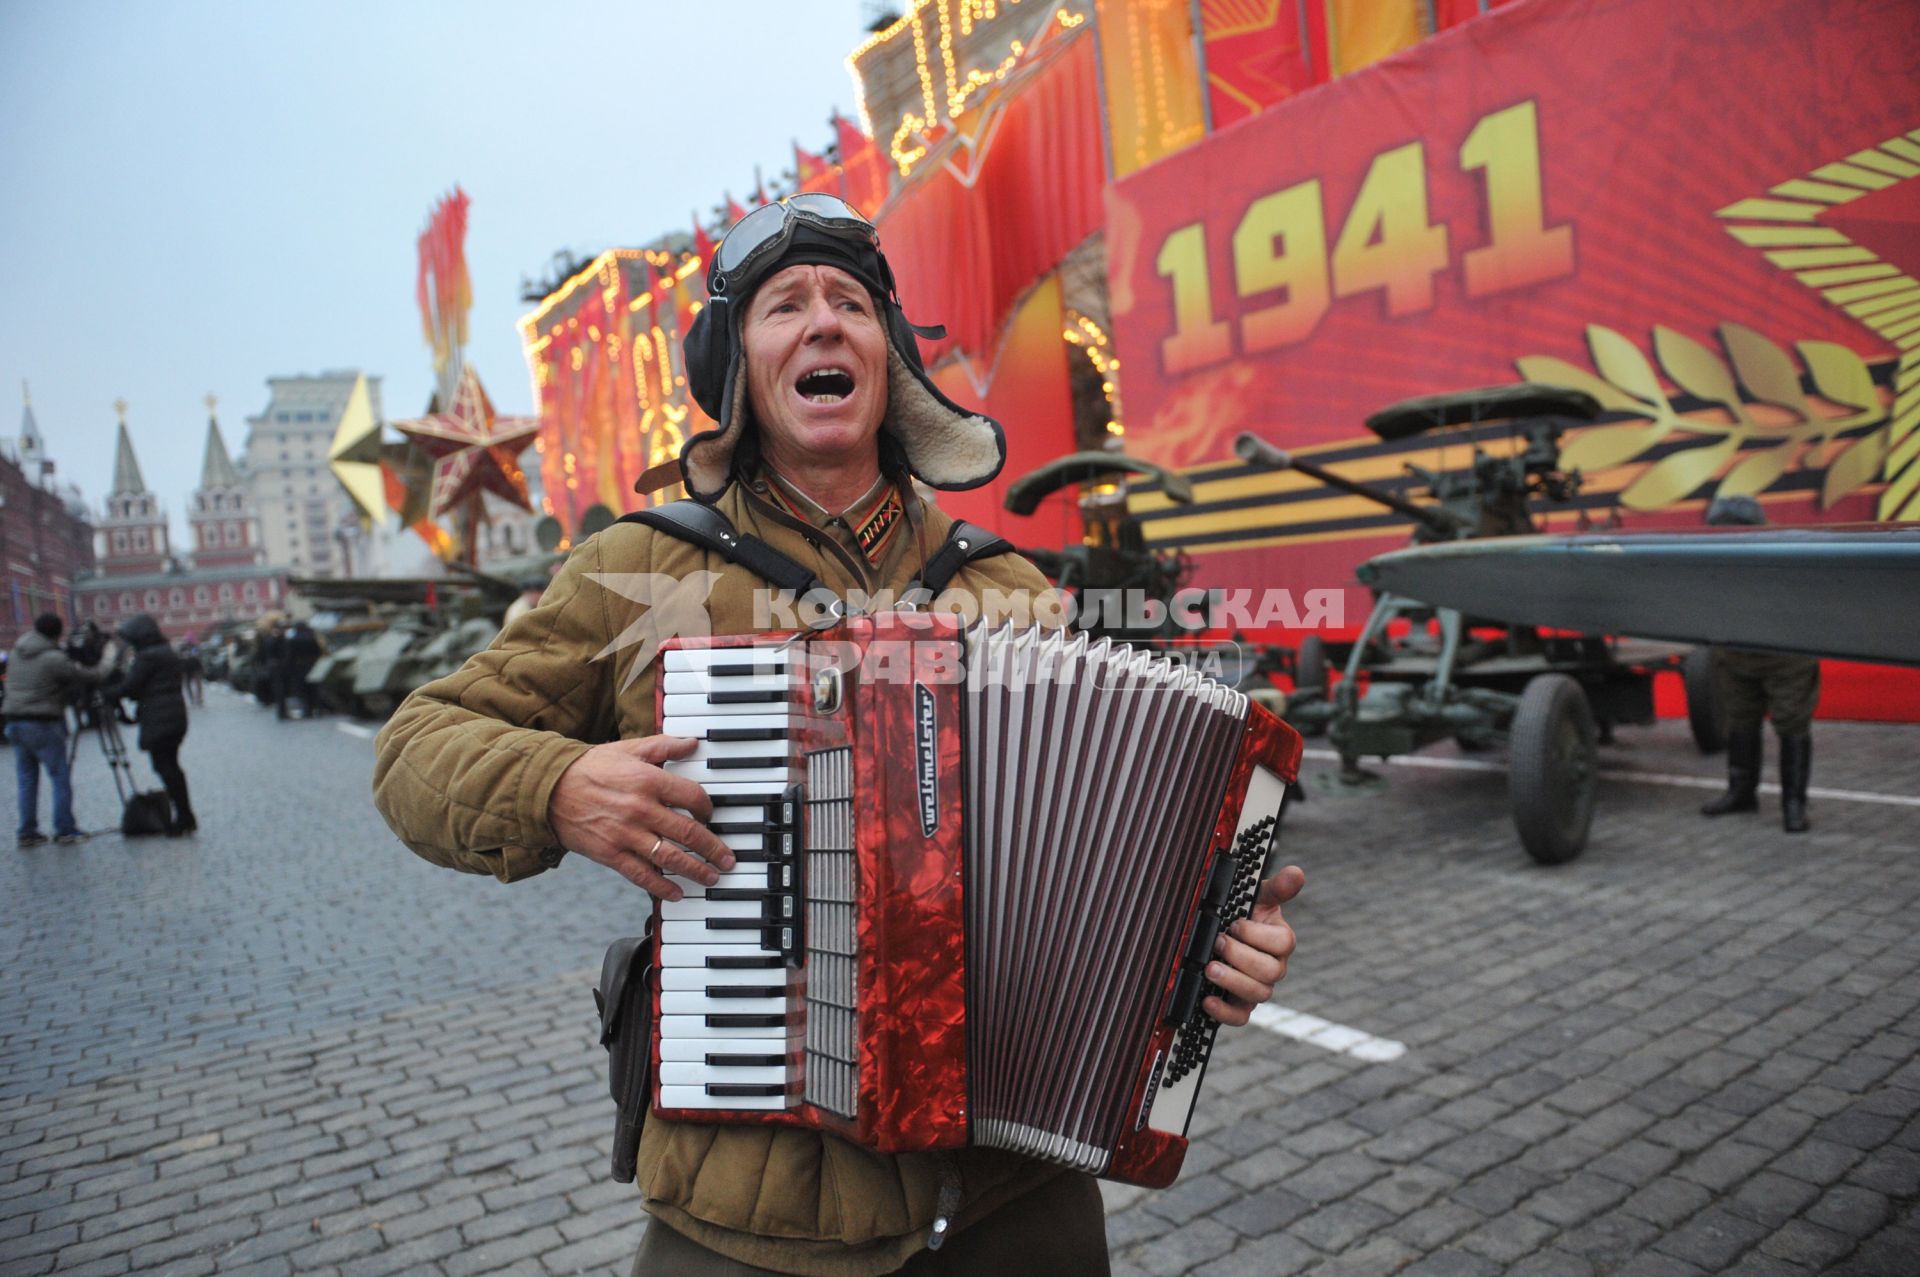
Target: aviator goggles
[{"x": 763, "y": 233}]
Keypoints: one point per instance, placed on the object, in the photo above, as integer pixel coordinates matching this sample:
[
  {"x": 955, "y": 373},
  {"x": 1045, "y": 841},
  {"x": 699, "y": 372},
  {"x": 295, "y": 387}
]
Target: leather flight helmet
[{"x": 944, "y": 445}]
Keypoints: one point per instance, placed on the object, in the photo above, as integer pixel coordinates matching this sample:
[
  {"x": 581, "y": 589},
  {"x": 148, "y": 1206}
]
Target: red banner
[
  {"x": 967, "y": 238},
  {"x": 1703, "y": 212}
]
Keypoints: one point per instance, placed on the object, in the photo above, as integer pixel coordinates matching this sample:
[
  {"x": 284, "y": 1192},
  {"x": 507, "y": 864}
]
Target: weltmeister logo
[{"x": 925, "y": 758}]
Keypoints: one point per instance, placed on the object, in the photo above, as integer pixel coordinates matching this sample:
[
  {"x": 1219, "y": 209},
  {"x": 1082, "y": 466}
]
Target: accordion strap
[
  {"x": 965, "y": 542},
  {"x": 706, "y": 527}
]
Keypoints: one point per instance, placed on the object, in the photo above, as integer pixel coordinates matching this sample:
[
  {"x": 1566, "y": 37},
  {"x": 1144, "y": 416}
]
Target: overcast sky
[{"x": 200, "y": 195}]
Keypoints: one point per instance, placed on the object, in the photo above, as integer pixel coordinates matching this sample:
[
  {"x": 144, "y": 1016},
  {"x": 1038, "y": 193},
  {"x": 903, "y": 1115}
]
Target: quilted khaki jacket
[{"x": 464, "y": 772}]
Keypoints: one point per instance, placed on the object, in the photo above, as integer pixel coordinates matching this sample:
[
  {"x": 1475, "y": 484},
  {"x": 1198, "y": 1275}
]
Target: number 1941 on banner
[{"x": 1386, "y": 243}]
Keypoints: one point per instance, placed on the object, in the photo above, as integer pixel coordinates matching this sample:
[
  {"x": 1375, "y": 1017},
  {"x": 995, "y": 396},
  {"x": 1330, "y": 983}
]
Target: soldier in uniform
[{"x": 1753, "y": 686}]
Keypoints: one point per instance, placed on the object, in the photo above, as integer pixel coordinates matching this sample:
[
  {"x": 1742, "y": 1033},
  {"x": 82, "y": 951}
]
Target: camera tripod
[{"x": 106, "y": 725}]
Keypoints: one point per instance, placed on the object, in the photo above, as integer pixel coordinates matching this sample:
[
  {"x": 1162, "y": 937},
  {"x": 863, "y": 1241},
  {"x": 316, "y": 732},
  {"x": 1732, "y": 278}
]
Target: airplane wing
[{"x": 1851, "y": 592}]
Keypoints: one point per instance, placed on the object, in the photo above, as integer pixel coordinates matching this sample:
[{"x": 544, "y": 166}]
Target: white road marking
[
  {"x": 1644, "y": 778},
  {"x": 354, "y": 729},
  {"x": 1339, "y": 1038}
]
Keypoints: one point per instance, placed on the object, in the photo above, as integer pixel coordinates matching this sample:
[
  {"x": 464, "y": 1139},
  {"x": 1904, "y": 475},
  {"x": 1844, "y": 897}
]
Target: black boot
[
  {"x": 1743, "y": 774},
  {"x": 1796, "y": 768}
]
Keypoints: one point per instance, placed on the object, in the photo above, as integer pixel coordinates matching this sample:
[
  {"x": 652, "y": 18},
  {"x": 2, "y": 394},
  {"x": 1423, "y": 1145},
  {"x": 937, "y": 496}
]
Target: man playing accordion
[{"x": 548, "y": 741}]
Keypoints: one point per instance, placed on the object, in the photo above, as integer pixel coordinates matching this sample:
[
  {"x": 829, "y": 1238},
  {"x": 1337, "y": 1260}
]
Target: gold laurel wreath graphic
[{"x": 1755, "y": 371}]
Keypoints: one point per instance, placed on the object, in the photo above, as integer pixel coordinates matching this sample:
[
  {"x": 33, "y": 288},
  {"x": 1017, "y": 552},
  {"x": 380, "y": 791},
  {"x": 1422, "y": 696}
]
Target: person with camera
[
  {"x": 153, "y": 684},
  {"x": 42, "y": 677}
]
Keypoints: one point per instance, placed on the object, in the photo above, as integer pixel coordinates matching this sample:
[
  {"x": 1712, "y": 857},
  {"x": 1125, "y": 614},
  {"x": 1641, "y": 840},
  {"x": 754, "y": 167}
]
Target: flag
[
  {"x": 865, "y": 180},
  {"x": 813, "y": 172},
  {"x": 734, "y": 212}
]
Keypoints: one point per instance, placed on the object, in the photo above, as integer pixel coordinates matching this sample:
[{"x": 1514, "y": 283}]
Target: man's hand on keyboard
[{"x": 617, "y": 806}]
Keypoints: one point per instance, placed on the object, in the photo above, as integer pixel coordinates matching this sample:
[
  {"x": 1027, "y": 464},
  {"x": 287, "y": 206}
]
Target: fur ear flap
[
  {"x": 706, "y": 462},
  {"x": 946, "y": 446}
]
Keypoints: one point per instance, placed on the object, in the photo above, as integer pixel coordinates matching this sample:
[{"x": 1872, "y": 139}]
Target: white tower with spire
[
  {"x": 225, "y": 532},
  {"x": 34, "y": 462},
  {"x": 133, "y": 536}
]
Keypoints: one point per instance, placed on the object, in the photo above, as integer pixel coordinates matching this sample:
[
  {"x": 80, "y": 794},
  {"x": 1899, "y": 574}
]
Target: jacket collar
[{"x": 873, "y": 519}]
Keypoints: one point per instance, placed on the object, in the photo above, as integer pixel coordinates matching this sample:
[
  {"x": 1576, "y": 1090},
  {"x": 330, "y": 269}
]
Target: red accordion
[{"x": 980, "y": 873}]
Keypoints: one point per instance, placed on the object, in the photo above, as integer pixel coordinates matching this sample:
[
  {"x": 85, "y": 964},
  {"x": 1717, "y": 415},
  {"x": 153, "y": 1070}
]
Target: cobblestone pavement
[{"x": 286, "y": 1045}]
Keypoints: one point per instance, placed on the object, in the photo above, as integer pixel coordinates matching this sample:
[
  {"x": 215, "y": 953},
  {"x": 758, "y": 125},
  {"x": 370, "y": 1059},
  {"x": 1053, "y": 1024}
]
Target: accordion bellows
[{"x": 980, "y": 874}]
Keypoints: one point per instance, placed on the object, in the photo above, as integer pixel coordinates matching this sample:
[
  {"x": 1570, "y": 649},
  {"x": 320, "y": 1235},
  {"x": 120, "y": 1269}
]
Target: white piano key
[
  {"x": 739, "y": 793},
  {"x": 711, "y": 749},
  {"x": 707, "y": 751},
  {"x": 694, "y": 979},
  {"x": 696, "y": 705},
  {"x": 696, "y": 1051},
  {"x": 690, "y": 1027},
  {"x": 749, "y": 877},
  {"x": 747, "y": 841},
  {"x": 677, "y": 659},
  {"x": 688, "y": 1073},
  {"x": 694, "y": 1097},
  {"x": 688, "y": 1002},
  {"x": 697, "y": 726},
  {"x": 682, "y": 910},
  {"x": 695, "y": 931},
  {"x": 674, "y": 954}
]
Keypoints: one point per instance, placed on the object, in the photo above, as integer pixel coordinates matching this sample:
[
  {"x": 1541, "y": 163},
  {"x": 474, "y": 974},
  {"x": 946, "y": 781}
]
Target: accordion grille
[
  {"x": 831, "y": 1070},
  {"x": 1093, "y": 778}
]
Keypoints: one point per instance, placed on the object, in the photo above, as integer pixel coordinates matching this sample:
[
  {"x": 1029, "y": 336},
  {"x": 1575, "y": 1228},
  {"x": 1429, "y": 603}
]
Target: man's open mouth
[{"x": 825, "y": 385}]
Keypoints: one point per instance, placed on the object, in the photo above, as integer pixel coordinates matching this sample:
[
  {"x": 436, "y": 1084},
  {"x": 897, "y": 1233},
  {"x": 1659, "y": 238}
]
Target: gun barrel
[{"x": 1257, "y": 451}]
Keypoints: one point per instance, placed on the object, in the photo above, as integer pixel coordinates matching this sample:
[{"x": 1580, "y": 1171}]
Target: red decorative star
[{"x": 473, "y": 450}]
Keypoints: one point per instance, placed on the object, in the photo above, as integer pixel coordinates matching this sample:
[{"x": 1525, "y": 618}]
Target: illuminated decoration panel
[
  {"x": 1092, "y": 340},
  {"x": 915, "y": 78},
  {"x": 604, "y": 353}
]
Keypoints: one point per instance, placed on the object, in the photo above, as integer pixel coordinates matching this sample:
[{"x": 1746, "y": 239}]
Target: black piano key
[
  {"x": 743, "y": 764},
  {"x": 747, "y": 669},
  {"x": 738, "y": 893},
  {"x": 743, "y": 962},
  {"x": 747, "y": 733},
  {"x": 732, "y": 1021},
  {"x": 719, "y": 1061},
  {"x": 735, "y": 924},
  {"x": 748, "y": 696},
  {"x": 744, "y": 1090},
  {"x": 747, "y": 991}
]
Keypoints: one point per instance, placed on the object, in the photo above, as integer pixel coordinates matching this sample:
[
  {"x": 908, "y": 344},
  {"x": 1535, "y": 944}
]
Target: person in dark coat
[
  {"x": 1755, "y": 686},
  {"x": 303, "y": 653},
  {"x": 277, "y": 668},
  {"x": 152, "y": 683}
]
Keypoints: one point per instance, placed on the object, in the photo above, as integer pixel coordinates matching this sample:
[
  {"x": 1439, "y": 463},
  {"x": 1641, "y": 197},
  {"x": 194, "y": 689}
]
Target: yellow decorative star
[{"x": 1786, "y": 224}]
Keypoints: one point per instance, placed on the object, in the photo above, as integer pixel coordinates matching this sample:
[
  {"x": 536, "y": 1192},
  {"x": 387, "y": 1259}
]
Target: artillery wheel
[
  {"x": 1704, "y": 713},
  {"x": 1310, "y": 671},
  {"x": 1554, "y": 769}
]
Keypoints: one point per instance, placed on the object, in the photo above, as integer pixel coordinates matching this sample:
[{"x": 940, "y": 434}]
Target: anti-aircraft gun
[
  {"x": 1417, "y": 674},
  {"x": 1125, "y": 589}
]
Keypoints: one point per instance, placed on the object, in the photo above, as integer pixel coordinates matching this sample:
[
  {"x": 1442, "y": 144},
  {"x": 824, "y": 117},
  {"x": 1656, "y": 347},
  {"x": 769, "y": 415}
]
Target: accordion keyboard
[{"x": 726, "y": 999}]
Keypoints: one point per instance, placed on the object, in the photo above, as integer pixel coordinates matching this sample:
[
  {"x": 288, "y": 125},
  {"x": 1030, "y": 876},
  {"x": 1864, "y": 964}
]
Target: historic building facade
[
  {"x": 223, "y": 578},
  {"x": 46, "y": 535}
]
